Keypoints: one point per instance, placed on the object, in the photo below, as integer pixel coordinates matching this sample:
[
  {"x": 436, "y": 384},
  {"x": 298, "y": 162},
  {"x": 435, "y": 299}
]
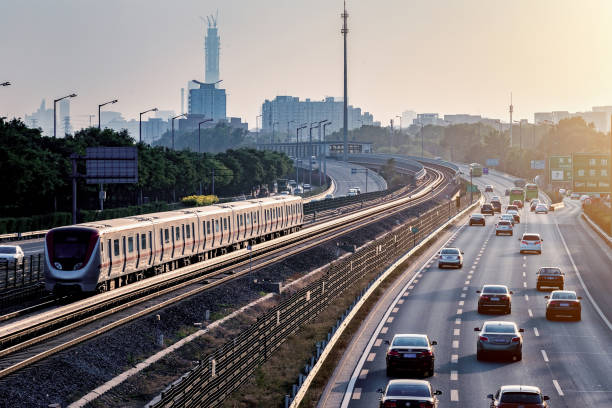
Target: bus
[
  {"x": 517, "y": 193},
  {"x": 531, "y": 191},
  {"x": 476, "y": 169}
]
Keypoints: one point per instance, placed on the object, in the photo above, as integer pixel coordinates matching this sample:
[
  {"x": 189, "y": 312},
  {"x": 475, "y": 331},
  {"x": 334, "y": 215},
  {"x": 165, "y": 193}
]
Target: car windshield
[
  {"x": 504, "y": 223},
  {"x": 487, "y": 206},
  {"x": 410, "y": 341},
  {"x": 477, "y": 216},
  {"x": 529, "y": 237},
  {"x": 494, "y": 289},
  {"x": 550, "y": 271},
  {"x": 512, "y": 207},
  {"x": 408, "y": 390},
  {"x": 449, "y": 251},
  {"x": 521, "y": 398},
  {"x": 564, "y": 295},
  {"x": 8, "y": 250},
  {"x": 499, "y": 328}
]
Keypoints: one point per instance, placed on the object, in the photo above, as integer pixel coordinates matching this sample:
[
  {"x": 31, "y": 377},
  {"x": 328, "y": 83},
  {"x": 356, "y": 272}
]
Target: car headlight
[
  {"x": 57, "y": 265},
  {"x": 78, "y": 266}
]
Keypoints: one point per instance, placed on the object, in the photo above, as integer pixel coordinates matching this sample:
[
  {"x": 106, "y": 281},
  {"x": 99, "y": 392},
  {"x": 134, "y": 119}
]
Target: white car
[
  {"x": 531, "y": 242},
  {"x": 541, "y": 209},
  {"x": 352, "y": 192},
  {"x": 562, "y": 191},
  {"x": 306, "y": 186},
  {"x": 11, "y": 253},
  {"x": 504, "y": 227},
  {"x": 507, "y": 217}
]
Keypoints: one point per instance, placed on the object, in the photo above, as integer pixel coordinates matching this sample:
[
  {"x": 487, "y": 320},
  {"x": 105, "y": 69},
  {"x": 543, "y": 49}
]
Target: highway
[
  {"x": 340, "y": 172},
  {"x": 570, "y": 361}
]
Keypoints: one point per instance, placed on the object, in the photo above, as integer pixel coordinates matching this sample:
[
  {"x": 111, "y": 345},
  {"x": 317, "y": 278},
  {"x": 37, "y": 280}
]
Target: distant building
[
  {"x": 286, "y": 113},
  {"x": 408, "y": 117},
  {"x": 599, "y": 117},
  {"x": 207, "y": 100},
  {"x": 462, "y": 118},
  {"x": 424, "y": 119},
  {"x": 190, "y": 123},
  {"x": 43, "y": 119},
  {"x": 153, "y": 129},
  {"x": 211, "y": 49}
]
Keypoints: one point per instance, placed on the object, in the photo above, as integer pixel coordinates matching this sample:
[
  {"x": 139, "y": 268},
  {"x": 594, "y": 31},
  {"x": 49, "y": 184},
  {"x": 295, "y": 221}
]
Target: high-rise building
[
  {"x": 208, "y": 101},
  {"x": 211, "y": 46},
  {"x": 42, "y": 118}
]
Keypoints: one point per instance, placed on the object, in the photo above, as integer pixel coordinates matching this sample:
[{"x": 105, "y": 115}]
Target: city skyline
[{"x": 542, "y": 57}]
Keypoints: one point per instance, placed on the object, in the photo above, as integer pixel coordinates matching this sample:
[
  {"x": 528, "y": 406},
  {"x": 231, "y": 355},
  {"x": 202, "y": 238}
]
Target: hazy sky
[{"x": 446, "y": 56}]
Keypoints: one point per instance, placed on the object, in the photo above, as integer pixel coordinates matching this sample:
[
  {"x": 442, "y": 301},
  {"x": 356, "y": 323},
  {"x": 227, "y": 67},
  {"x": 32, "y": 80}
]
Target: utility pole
[
  {"x": 511, "y": 111},
  {"x": 344, "y": 32},
  {"x": 325, "y": 151}
]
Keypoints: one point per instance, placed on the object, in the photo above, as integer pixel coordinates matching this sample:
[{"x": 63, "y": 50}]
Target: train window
[
  {"x": 116, "y": 247},
  {"x": 247, "y": 219},
  {"x": 216, "y": 225},
  {"x": 225, "y": 224},
  {"x": 178, "y": 233},
  {"x": 188, "y": 231},
  {"x": 241, "y": 220},
  {"x": 208, "y": 227},
  {"x": 101, "y": 246},
  {"x": 166, "y": 235},
  {"x": 130, "y": 244},
  {"x": 229, "y": 223},
  {"x": 143, "y": 241}
]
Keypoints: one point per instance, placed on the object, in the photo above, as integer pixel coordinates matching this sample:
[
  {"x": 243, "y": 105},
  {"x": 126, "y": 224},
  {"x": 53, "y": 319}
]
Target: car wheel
[
  {"x": 389, "y": 372},
  {"x": 479, "y": 355},
  {"x": 578, "y": 316},
  {"x": 538, "y": 287},
  {"x": 519, "y": 356},
  {"x": 548, "y": 316},
  {"x": 509, "y": 310}
]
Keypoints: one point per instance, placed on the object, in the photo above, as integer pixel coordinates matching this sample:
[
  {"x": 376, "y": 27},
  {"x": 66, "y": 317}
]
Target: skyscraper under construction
[{"x": 211, "y": 45}]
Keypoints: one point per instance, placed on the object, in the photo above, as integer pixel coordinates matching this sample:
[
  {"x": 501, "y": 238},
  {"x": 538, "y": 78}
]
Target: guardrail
[
  {"x": 216, "y": 376},
  {"x": 20, "y": 273}
]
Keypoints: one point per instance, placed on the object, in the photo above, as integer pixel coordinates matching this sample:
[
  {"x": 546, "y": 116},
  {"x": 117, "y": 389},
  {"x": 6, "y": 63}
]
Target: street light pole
[
  {"x": 7, "y": 83},
  {"x": 257, "y": 128},
  {"x": 422, "y": 149},
  {"x": 199, "y": 144},
  {"x": 310, "y": 151},
  {"x": 55, "y": 101},
  {"x": 400, "y": 118},
  {"x": 297, "y": 151},
  {"x": 177, "y": 116},
  {"x": 100, "y": 107},
  {"x": 325, "y": 151},
  {"x": 140, "y": 123},
  {"x": 319, "y": 153}
]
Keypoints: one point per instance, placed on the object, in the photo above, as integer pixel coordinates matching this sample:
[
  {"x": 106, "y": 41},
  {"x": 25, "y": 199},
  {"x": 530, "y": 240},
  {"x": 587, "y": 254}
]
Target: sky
[{"x": 446, "y": 56}]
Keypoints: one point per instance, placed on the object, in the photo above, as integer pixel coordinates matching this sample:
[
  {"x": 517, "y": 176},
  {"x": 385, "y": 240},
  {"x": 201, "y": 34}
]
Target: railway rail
[{"x": 21, "y": 341}]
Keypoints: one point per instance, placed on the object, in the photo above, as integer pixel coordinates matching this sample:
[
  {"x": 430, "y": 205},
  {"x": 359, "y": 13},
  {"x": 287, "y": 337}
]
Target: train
[{"x": 104, "y": 255}]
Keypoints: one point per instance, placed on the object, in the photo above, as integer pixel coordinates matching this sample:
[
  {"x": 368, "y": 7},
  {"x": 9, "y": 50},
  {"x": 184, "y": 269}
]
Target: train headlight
[
  {"x": 58, "y": 265},
  {"x": 78, "y": 266}
]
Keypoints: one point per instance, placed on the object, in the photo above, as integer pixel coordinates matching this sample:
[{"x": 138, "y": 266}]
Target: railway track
[{"x": 32, "y": 339}]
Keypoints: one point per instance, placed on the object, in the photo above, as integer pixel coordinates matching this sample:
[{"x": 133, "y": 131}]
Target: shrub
[{"x": 199, "y": 200}]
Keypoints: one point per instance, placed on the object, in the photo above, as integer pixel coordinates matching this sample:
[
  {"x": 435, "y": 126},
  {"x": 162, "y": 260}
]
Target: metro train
[{"x": 104, "y": 255}]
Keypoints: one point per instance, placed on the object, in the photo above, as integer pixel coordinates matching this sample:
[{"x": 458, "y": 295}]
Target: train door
[
  {"x": 184, "y": 243},
  {"x": 193, "y": 238},
  {"x": 227, "y": 228},
  {"x": 138, "y": 251},
  {"x": 151, "y": 248},
  {"x": 124, "y": 257},
  {"x": 161, "y": 244},
  {"x": 109, "y": 250}
]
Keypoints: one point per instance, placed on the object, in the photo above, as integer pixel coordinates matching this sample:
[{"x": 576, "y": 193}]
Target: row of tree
[{"x": 36, "y": 171}]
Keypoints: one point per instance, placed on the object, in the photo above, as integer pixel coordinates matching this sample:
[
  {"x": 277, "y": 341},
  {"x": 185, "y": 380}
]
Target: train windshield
[{"x": 70, "y": 249}]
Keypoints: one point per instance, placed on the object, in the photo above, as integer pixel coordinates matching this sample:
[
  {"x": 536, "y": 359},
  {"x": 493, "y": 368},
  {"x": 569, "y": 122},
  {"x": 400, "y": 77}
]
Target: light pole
[
  {"x": 325, "y": 151},
  {"x": 257, "y": 127},
  {"x": 199, "y": 143},
  {"x": 297, "y": 151},
  {"x": 140, "y": 123},
  {"x": 319, "y": 153},
  {"x": 7, "y": 83},
  {"x": 471, "y": 188},
  {"x": 400, "y": 118},
  {"x": 100, "y": 107},
  {"x": 175, "y": 117},
  {"x": 312, "y": 126},
  {"x": 55, "y": 101}
]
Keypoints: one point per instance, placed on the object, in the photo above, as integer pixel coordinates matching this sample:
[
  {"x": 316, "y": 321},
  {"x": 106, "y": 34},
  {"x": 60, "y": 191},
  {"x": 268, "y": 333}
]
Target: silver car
[
  {"x": 450, "y": 257},
  {"x": 497, "y": 338}
]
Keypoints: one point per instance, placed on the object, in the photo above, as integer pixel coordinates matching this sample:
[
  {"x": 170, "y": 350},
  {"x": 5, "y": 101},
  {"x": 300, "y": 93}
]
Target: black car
[
  {"x": 497, "y": 206},
  {"x": 495, "y": 297},
  {"x": 477, "y": 219},
  {"x": 550, "y": 277},
  {"x": 410, "y": 352},
  {"x": 409, "y": 394},
  {"x": 487, "y": 209},
  {"x": 563, "y": 303},
  {"x": 488, "y": 188}
]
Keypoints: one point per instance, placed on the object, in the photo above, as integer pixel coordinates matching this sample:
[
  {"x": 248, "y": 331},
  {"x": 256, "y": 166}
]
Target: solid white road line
[
  {"x": 558, "y": 387},
  {"x": 536, "y": 332},
  {"x": 544, "y": 356}
]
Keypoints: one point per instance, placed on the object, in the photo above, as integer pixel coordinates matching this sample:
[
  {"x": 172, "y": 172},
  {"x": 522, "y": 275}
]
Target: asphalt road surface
[
  {"x": 340, "y": 172},
  {"x": 570, "y": 361}
]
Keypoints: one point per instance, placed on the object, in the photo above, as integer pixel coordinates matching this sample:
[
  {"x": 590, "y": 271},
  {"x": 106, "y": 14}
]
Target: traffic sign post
[{"x": 590, "y": 173}]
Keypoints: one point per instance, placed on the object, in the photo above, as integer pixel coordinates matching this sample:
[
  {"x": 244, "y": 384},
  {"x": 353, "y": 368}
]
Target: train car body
[{"x": 103, "y": 255}]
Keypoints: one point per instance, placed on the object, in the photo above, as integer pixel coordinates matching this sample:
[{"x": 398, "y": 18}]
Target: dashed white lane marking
[
  {"x": 467, "y": 282},
  {"x": 530, "y": 312},
  {"x": 524, "y": 275},
  {"x": 536, "y": 332},
  {"x": 411, "y": 287},
  {"x": 395, "y": 310},
  {"x": 405, "y": 294},
  {"x": 524, "y": 265},
  {"x": 371, "y": 356},
  {"x": 454, "y": 375},
  {"x": 461, "y": 302},
  {"x": 454, "y": 395},
  {"x": 455, "y": 358},
  {"x": 400, "y": 302},
  {"x": 465, "y": 288},
  {"x": 524, "y": 284},
  {"x": 544, "y": 356},
  {"x": 363, "y": 374},
  {"x": 455, "y": 344},
  {"x": 463, "y": 295},
  {"x": 384, "y": 330},
  {"x": 524, "y": 257},
  {"x": 415, "y": 281},
  {"x": 475, "y": 262},
  {"x": 459, "y": 311},
  {"x": 378, "y": 342},
  {"x": 390, "y": 319},
  {"x": 558, "y": 388},
  {"x": 357, "y": 393},
  {"x": 527, "y": 297},
  {"x": 458, "y": 320},
  {"x": 456, "y": 332}
]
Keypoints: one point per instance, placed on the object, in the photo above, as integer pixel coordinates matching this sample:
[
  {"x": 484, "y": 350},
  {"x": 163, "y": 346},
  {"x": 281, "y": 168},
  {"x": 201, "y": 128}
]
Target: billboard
[
  {"x": 538, "y": 164},
  {"x": 560, "y": 168},
  {"x": 590, "y": 173},
  {"x": 108, "y": 165},
  {"x": 492, "y": 162}
]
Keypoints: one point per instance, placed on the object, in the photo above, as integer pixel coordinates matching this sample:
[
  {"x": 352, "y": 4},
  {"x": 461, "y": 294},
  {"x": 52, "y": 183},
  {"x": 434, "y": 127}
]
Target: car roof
[
  {"x": 451, "y": 248},
  {"x": 495, "y": 286},
  {"x": 477, "y": 215},
  {"x": 405, "y": 381},
  {"x": 424, "y": 336},
  {"x": 10, "y": 246},
  {"x": 572, "y": 292},
  {"x": 520, "y": 388},
  {"x": 531, "y": 233},
  {"x": 499, "y": 323}
]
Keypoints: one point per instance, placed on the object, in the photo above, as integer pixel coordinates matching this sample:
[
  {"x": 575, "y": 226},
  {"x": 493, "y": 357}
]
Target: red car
[
  {"x": 524, "y": 396},
  {"x": 518, "y": 203}
]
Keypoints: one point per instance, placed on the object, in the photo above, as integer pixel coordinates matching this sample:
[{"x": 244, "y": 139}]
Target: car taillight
[
  {"x": 485, "y": 297},
  {"x": 483, "y": 338},
  {"x": 393, "y": 353},
  {"x": 390, "y": 404},
  {"x": 503, "y": 297},
  {"x": 537, "y": 242},
  {"x": 426, "y": 405},
  {"x": 516, "y": 339},
  {"x": 426, "y": 353},
  {"x": 524, "y": 242}
]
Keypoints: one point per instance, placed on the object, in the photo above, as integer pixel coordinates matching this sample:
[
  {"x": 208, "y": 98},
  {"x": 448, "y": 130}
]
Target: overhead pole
[
  {"x": 610, "y": 176},
  {"x": 344, "y": 32},
  {"x": 511, "y": 111}
]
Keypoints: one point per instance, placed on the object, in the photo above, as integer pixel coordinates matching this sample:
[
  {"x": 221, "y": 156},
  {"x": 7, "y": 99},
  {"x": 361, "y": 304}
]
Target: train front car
[{"x": 72, "y": 259}]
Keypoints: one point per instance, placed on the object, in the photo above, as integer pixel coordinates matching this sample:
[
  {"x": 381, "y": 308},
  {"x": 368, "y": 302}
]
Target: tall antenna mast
[
  {"x": 344, "y": 32},
  {"x": 511, "y": 111}
]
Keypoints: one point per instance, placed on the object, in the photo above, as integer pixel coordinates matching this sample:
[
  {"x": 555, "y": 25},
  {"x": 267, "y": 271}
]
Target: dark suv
[
  {"x": 550, "y": 277},
  {"x": 487, "y": 209},
  {"x": 495, "y": 297},
  {"x": 411, "y": 352},
  {"x": 496, "y": 206}
]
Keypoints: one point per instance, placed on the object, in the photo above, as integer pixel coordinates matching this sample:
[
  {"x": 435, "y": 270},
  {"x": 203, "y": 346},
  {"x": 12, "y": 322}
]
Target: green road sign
[
  {"x": 590, "y": 173},
  {"x": 472, "y": 188},
  {"x": 560, "y": 168}
]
